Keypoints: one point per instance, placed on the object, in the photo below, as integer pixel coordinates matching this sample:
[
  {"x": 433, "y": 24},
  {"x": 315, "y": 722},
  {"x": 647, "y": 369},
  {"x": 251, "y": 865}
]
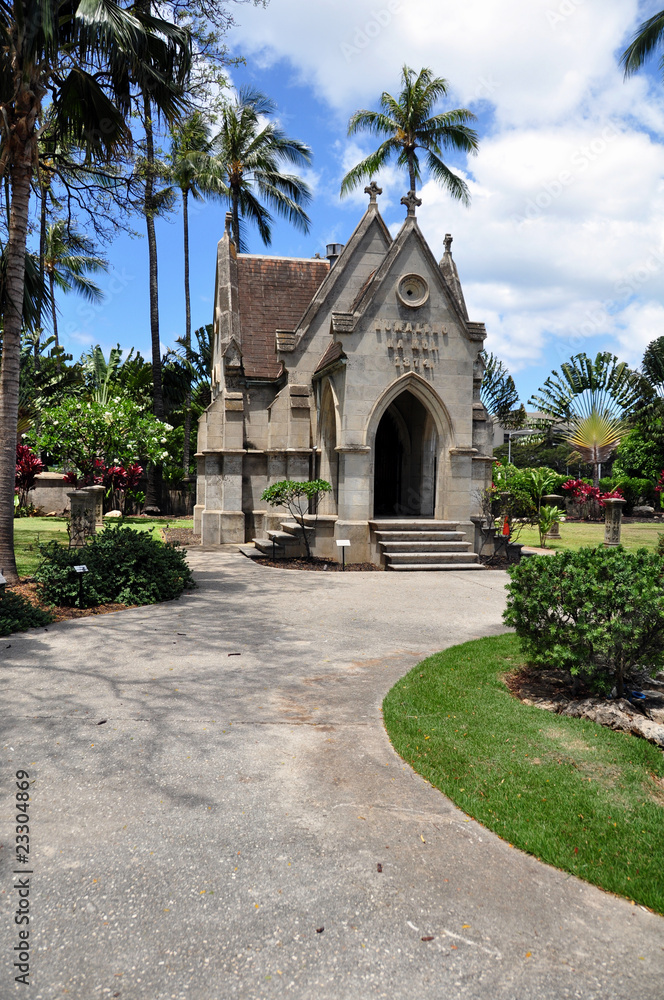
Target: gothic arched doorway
[{"x": 405, "y": 460}]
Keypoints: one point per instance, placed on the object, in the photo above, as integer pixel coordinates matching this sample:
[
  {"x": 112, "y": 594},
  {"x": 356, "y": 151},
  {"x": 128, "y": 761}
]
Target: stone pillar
[
  {"x": 82, "y": 517},
  {"x": 554, "y": 500},
  {"x": 613, "y": 520},
  {"x": 97, "y": 494}
]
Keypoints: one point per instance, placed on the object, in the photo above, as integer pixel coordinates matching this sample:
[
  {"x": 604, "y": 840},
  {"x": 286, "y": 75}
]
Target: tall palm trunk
[
  {"x": 54, "y": 311},
  {"x": 235, "y": 208},
  {"x": 42, "y": 254},
  {"x": 21, "y": 172},
  {"x": 411, "y": 168},
  {"x": 187, "y": 331},
  {"x": 153, "y": 497}
]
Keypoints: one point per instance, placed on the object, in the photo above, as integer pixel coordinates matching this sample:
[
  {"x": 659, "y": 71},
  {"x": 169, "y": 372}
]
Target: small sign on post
[
  {"x": 341, "y": 544},
  {"x": 80, "y": 569}
]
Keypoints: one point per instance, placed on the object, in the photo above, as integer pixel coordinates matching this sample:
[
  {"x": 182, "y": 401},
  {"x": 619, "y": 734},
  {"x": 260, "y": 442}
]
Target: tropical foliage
[
  {"x": 498, "y": 391},
  {"x": 590, "y": 398},
  {"x": 253, "y": 153},
  {"x": 85, "y": 57},
  {"x": 408, "y": 123}
]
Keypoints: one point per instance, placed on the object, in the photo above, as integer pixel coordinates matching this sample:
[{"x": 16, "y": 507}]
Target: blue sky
[{"x": 562, "y": 249}]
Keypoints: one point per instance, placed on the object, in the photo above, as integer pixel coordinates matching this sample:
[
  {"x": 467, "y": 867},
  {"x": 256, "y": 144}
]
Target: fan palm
[
  {"x": 409, "y": 125},
  {"x": 196, "y": 171},
  {"x": 85, "y": 55},
  {"x": 253, "y": 151},
  {"x": 68, "y": 255},
  {"x": 595, "y": 437},
  {"x": 652, "y": 365},
  {"x": 591, "y": 398}
]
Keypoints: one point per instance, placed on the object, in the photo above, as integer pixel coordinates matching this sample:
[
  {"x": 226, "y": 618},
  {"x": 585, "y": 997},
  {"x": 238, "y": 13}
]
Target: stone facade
[{"x": 362, "y": 370}]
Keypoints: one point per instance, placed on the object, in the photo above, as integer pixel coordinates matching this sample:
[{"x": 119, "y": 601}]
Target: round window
[{"x": 413, "y": 290}]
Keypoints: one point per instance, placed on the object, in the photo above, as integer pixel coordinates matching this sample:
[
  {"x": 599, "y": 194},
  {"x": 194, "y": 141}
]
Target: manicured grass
[
  {"x": 574, "y": 794},
  {"x": 31, "y": 532},
  {"x": 578, "y": 534}
]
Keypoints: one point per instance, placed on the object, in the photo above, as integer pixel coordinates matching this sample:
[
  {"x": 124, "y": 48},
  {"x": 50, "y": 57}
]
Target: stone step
[
  {"x": 413, "y": 524},
  {"x": 420, "y": 536},
  {"x": 395, "y": 558},
  {"x": 294, "y": 529},
  {"x": 280, "y": 549},
  {"x": 389, "y": 547},
  {"x": 427, "y": 567}
]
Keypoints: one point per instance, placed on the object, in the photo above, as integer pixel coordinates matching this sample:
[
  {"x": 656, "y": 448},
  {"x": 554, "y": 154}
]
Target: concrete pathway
[{"x": 218, "y": 836}]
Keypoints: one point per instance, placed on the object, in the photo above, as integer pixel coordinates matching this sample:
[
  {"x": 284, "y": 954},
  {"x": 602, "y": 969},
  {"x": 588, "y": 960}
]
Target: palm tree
[
  {"x": 409, "y": 125},
  {"x": 591, "y": 398},
  {"x": 85, "y": 55},
  {"x": 648, "y": 37},
  {"x": 253, "y": 152},
  {"x": 196, "y": 171},
  {"x": 498, "y": 391},
  {"x": 68, "y": 255}
]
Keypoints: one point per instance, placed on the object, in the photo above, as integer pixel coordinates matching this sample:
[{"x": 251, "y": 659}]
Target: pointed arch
[
  {"x": 329, "y": 435},
  {"x": 423, "y": 391}
]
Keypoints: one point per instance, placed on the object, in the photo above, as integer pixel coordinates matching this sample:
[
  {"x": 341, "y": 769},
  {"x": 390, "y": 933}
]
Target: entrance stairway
[{"x": 416, "y": 544}]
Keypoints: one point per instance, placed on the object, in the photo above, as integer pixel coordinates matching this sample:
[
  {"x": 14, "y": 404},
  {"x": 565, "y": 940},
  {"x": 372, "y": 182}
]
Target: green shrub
[
  {"x": 598, "y": 613},
  {"x": 18, "y": 615},
  {"x": 126, "y": 566},
  {"x": 636, "y": 492}
]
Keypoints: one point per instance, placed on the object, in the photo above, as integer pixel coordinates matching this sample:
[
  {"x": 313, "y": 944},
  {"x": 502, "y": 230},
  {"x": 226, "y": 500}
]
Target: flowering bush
[
  {"x": 79, "y": 435},
  {"x": 28, "y": 467}
]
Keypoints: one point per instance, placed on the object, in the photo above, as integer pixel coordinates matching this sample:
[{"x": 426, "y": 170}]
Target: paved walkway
[{"x": 218, "y": 837}]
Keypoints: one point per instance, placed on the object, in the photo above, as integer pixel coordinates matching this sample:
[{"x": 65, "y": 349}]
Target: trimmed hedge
[
  {"x": 598, "y": 613},
  {"x": 124, "y": 566}
]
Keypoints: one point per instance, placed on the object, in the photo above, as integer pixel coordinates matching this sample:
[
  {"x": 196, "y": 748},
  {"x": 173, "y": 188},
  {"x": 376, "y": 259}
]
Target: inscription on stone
[{"x": 411, "y": 345}]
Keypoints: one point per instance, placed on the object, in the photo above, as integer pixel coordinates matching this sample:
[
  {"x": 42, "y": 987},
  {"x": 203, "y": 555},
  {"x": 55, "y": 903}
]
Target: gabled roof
[
  {"x": 410, "y": 227},
  {"x": 371, "y": 217},
  {"x": 273, "y": 293}
]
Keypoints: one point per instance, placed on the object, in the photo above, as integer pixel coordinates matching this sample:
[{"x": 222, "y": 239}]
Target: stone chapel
[{"x": 362, "y": 369}]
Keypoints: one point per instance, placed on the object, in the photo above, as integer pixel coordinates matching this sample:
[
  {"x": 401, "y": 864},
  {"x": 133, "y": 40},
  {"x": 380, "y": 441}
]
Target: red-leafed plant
[
  {"x": 119, "y": 483},
  {"x": 589, "y": 498},
  {"x": 28, "y": 467}
]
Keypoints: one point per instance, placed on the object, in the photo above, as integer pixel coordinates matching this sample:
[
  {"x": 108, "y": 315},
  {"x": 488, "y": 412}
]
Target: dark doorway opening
[{"x": 405, "y": 460}]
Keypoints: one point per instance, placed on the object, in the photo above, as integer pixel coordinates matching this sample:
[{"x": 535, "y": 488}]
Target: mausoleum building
[{"x": 362, "y": 369}]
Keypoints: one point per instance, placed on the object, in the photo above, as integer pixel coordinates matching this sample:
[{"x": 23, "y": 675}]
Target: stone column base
[
  {"x": 360, "y": 546},
  {"x": 219, "y": 527},
  {"x": 198, "y": 511}
]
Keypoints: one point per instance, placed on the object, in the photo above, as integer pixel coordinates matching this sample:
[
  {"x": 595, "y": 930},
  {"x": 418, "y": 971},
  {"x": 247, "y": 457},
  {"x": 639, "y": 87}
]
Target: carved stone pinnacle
[
  {"x": 373, "y": 191},
  {"x": 448, "y": 243},
  {"x": 228, "y": 224},
  {"x": 411, "y": 201}
]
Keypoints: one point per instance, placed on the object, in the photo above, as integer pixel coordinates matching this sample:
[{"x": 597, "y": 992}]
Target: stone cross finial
[
  {"x": 373, "y": 191},
  {"x": 228, "y": 224},
  {"x": 411, "y": 201},
  {"x": 448, "y": 243}
]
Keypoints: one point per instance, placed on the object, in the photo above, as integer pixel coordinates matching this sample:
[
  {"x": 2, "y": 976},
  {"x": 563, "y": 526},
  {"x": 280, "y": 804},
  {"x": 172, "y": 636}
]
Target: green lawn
[
  {"x": 574, "y": 794},
  {"x": 578, "y": 534},
  {"x": 30, "y": 532}
]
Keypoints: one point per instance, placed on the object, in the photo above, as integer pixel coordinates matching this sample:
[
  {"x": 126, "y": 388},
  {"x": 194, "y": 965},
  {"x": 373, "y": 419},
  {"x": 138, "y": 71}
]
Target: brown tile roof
[
  {"x": 333, "y": 353},
  {"x": 273, "y": 295}
]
